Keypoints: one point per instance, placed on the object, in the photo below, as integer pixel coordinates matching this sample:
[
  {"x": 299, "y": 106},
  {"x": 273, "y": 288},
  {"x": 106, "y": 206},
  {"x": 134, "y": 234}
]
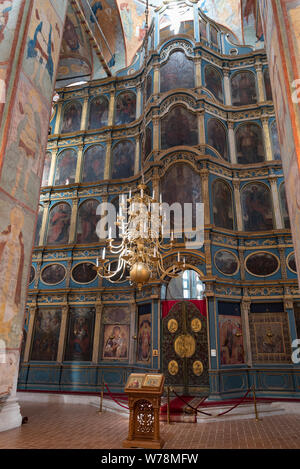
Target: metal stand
[
  {"x": 255, "y": 406},
  {"x": 101, "y": 399}
]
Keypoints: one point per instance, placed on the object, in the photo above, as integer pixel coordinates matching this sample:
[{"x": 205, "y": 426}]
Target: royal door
[{"x": 185, "y": 346}]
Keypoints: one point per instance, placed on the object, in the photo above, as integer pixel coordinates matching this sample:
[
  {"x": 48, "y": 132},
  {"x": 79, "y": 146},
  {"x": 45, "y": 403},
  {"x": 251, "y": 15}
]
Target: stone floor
[{"x": 72, "y": 426}]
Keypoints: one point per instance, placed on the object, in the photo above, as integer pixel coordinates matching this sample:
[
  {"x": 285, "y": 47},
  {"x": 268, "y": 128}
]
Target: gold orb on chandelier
[{"x": 139, "y": 274}]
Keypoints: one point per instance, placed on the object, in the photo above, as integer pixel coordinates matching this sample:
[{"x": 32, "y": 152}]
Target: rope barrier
[
  {"x": 188, "y": 405},
  {"x": 236, "y": 405},
  {"x": 115, "y": 400}
]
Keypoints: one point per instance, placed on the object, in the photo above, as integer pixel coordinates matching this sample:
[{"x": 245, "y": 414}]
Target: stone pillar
[
  {"x": 232, "y": 146},
  {"x": 238, "y": 206},
  {"x": 245, "y": 310},
  {"x": 227, "y": 88},
  {"x": 276, "y": 203},
  {"x": 280, "y": 21},
  {"x": 62, "y": 333},
  {"x": 98, "y": 317},
  {"x": 30, "y": 46},
  {"x": 260, "y": 82},
  {"x": 267, "y": 138}
]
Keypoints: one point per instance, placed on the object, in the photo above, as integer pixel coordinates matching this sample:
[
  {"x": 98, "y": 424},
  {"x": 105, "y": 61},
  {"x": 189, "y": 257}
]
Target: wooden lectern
[{"x": 144, "y": 393}]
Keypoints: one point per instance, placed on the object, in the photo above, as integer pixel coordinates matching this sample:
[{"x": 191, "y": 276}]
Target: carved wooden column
[
  {"x": 83, "y": 123},
  {"x": 276, "y": 203},
  {"x": 111, "y": 108},
  {"x": 289, "y": 310},
  {"x": 198, "y": 72},
  {"x": 231, "y": 139},
  {"x": 79, "y": 163},
  {"x": 281, "y": 250},
  {"x": 138, "y": 101},
  {"x": 204, "y": 174},
  {"x": 96, "y": 343},
  {"x": 201, "y": 128},
  {"x": 267, "y": 138},
  {"x": 238, "y": 206},
  {"x": 155, "y": 121},
  {"x": 42, "y": 239},
  {"x": 245, "y": 310},
  {"x": 133, "y": 340},
  {"x": 241, "y": 249},
  {"x": 62, "y": 333},
  {"x": 58, "y": 117},
  {"x": 73, "y": 223},
  {"x": 32, "y": 313},
  {"x": 156, "y": 69},
  {"x": 52, "y": 167},
  {"x": 227, "y": 88},
  {"x": 260, "y": 82},
  {"x": 108, "y": 159},
  {"x": 207, "y": 250},
  {"x": 137, "y": 155}
]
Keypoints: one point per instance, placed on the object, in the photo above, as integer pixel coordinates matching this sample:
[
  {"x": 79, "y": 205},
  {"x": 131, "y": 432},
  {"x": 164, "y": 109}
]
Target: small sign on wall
[{"x": 213, "y": 352}]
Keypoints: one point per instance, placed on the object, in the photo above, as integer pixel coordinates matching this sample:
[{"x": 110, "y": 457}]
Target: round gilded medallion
[
  {"x": 172, "y": 325},
  {"x": 196, "y": 325},
  {"x": 173, "y": 367},
  {"x": 185, "y": 346},
  {"x": 197, "y": 368}
]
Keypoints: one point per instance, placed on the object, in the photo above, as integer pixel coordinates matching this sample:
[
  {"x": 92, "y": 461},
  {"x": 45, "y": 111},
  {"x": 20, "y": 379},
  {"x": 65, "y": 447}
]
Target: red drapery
[{"x": 167, "y": 305}]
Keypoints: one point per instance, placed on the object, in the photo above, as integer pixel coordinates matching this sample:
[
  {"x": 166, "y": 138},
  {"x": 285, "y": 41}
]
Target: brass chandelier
[{"x": 142, "y": 249}]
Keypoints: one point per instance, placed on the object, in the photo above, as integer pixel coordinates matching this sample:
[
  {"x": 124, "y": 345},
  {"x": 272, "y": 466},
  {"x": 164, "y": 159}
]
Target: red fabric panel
[{"x": 167, "y": 305}]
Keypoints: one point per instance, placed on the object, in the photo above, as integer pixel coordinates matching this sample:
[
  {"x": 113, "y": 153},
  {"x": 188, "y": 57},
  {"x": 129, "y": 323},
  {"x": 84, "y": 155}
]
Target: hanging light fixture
[{"x": 142, "y": 248}]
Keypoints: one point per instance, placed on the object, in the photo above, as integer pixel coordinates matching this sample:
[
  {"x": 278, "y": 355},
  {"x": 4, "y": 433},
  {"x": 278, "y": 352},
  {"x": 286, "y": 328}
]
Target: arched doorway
[{"x": 184, "y": 348}]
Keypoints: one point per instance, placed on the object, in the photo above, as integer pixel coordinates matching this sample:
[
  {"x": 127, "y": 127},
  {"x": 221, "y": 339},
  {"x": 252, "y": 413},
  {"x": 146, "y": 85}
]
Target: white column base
[{"x": 10, "y": 415}]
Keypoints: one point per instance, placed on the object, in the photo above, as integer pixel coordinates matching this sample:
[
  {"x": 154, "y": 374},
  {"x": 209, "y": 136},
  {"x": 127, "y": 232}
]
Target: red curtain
[{"x": 167, "y": 305}]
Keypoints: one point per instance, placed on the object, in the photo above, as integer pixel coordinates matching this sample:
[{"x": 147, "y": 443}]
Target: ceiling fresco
[{"x": 118, "y": 27}]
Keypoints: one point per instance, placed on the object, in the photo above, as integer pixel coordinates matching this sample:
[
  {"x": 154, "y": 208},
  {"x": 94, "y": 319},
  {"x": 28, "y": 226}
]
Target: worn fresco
[{"x": 280, "y": 22}]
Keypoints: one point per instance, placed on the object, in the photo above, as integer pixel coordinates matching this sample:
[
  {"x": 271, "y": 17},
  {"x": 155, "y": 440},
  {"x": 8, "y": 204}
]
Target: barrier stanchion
[
  {"x": 168, "y": 405},
  {"x": 255, "y": 406},
  {"x": 101, "y": 399}
]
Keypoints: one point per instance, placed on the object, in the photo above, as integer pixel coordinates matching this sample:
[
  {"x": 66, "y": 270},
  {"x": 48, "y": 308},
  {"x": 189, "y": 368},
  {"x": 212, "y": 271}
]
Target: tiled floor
[{"x": 64, "y": 426}]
